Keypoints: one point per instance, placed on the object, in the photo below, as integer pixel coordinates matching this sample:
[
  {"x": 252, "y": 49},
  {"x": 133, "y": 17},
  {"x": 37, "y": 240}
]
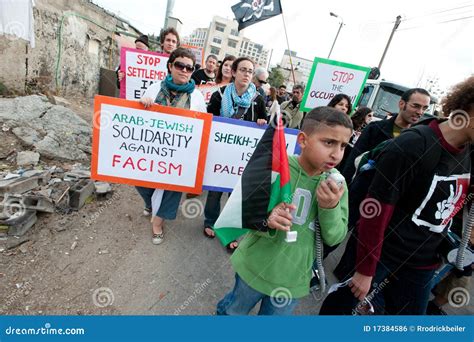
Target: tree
[{"x": 276, "y": 78}]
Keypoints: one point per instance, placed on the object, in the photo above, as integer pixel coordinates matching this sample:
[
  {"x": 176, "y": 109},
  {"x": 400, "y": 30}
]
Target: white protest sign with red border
[
  {"x": 161, "y": 147},
  {"x": 142, "y": 69}
]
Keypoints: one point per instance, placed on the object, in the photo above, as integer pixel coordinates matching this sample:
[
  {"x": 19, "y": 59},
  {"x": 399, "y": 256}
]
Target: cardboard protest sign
[
  {"x": 207, "y": 91},
  {"x": 329, "y": 78},
  {"x": 231, "y": 145},
  {"x": 142, "y": 69},
  {"x": 197, "y": 52},
  {"x": 162, "y": 147}
]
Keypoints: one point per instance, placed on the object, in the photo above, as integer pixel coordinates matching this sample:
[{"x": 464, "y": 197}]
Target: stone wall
[{"x": 85, "y": 44}]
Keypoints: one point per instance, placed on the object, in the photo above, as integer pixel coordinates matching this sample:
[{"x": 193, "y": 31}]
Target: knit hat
[{"x": 143, "y": 39}]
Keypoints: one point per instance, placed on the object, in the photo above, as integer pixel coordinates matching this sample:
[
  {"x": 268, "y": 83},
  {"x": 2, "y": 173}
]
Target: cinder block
[
  {"x": 79, "y": 193},
  {"x": 19, "y": 224},
  {"x": 77, "y": 174},
  {"x": 32, "y": 202},
  {"x": 19, "y": 185}
]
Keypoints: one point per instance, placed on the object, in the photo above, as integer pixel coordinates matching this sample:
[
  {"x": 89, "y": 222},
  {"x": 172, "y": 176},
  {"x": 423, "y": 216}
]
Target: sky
[{"x": 433, "y": 41}]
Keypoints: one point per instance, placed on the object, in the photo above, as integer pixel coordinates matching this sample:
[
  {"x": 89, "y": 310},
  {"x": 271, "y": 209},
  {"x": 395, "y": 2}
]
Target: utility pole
[
  {"x": 337, "y": 34},
  {"x": 169, "y": 12},
  {"x": 397, "y": 23}
]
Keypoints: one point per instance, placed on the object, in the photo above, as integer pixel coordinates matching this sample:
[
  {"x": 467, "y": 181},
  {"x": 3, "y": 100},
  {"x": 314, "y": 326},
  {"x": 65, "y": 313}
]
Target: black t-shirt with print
[
  {"x": 427, "y": 182},
  {"x": 200, "y": 77}
]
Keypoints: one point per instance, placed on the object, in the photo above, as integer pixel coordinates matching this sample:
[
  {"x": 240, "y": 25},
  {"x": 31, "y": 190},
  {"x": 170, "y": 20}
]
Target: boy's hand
[
  {"x": 280, "y": 218},
  {"x": 360, "y": 285},
  {"x": 329, "y": 194}
]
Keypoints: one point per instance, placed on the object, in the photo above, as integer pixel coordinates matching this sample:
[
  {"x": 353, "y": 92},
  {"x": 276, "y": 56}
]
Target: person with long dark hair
[
  {"x": 237, "y": 100},
  {"x": 341, "y": 102},
  {"x": 224, "y": 73}
]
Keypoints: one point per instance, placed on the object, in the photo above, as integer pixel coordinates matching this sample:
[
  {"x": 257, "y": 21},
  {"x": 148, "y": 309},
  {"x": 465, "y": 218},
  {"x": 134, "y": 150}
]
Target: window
[
  {"x": 234, "y": 32},
  {"x": 217, "y": 40},
  {"x": 214, "y": 50},
  {"x": 232, "y": 43},
  {"x": 220, "y": 27}
]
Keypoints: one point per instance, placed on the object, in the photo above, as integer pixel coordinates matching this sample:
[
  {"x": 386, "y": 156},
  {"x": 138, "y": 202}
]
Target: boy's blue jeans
[{"x": 242, "y": 299}]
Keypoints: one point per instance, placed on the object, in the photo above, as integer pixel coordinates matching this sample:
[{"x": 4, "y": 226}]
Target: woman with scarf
[
  {"x": 176, "y": 90},
  {"x": 237, "y": 100}
]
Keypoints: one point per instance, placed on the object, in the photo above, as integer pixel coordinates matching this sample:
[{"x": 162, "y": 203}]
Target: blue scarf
[
  {"x": 165, "y": 98},
  {"x": 231, "y": 101}
]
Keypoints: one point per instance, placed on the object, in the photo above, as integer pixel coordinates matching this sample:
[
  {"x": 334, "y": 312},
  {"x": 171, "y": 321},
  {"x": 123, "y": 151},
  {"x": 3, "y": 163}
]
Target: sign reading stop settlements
[
  {"x": 142, "y": 69},
  {"x": 161, "y": 147},
  {"x": 329, "y": 78},
  {"x": 231, "y": 145}
]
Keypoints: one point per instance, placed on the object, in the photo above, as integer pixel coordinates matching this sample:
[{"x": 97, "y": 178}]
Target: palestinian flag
[{"x": 264, "y": 183}]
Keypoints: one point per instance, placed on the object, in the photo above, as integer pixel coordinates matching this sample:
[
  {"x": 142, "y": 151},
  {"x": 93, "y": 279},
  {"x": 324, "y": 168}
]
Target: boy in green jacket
[{"x": 276, "y": 272}]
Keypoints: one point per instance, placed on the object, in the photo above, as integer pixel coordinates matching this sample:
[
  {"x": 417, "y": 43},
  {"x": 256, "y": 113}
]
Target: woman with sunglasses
[
  {"x": 237, "y": 100},
  {"x": 176, "y": 90}
]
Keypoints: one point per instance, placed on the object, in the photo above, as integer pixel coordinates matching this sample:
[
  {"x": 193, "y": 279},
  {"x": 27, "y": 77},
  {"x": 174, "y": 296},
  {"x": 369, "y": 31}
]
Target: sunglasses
[
  {"x": 183, "y": 67},
  {"x": 263, "y": 82}
]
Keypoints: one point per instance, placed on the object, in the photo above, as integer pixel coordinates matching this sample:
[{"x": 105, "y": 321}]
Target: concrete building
[
  {"x": 75, "y": 42},
  {"x": 301, "y": 65},
  {"x": 197, "y": 38},
  {"x": 222, "y": 38}
]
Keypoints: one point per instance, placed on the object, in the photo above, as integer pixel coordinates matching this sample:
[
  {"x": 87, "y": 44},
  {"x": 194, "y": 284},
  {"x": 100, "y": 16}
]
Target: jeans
[
  {"x": 243, "y": 298},
  {"x": 212, "y": 208},
  {"x": 396, "y": 290},
  {"x": 146, "y": 194}
]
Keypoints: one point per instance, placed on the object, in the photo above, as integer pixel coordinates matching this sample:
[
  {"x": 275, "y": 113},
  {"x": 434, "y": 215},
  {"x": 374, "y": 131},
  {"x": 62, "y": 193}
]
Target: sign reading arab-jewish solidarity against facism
[
  {"x": 329, "y": 78},
  {"x": 231, "y": 145},
  {"x": 162, "y": 147},
  {"x": 142, "y": 69},
  {"x": 172, "y": 148}
]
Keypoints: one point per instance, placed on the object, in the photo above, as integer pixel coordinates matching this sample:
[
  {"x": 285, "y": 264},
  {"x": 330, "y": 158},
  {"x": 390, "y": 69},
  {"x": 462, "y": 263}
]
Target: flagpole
[{"x": 289, "y": 51}]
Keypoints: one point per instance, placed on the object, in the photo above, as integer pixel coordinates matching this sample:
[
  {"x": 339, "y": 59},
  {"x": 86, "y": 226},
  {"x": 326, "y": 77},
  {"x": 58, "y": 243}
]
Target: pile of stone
[
  {"x": 34, "y": 129},
  {"x": 24, "y": 193}
]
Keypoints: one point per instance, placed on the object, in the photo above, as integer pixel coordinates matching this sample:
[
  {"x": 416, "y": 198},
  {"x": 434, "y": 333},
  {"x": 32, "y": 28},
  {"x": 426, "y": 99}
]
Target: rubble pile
[
  {"x": 53, "y": 131},
  {"x": 35, "y": 134}
]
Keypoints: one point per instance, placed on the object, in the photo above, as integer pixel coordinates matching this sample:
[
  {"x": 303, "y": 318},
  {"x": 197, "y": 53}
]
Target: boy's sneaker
[
  {"x": 147, "y": 212},
  {"x": 156, "y": 239}
]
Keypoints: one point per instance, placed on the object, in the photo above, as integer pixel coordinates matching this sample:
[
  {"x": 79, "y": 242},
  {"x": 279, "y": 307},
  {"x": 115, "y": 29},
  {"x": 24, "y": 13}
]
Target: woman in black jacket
[{"x": 237, "y": 100}]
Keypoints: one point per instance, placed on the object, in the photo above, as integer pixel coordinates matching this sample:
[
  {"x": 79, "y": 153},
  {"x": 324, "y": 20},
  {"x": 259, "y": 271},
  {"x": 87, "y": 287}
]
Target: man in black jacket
[{"x": 413, "y": 103}]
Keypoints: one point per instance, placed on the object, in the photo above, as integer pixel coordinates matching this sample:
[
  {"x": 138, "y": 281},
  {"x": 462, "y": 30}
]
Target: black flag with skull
[{"x": 249, "y": 12}]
